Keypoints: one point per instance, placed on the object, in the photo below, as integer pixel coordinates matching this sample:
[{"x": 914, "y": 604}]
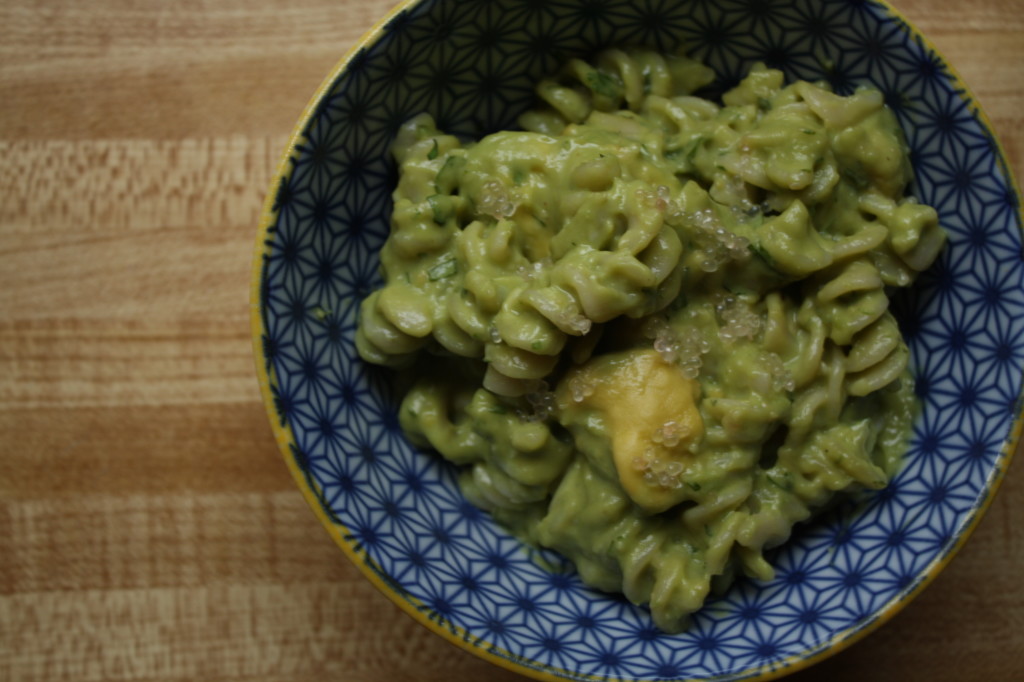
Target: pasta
[{"x": 655, "y": 329}]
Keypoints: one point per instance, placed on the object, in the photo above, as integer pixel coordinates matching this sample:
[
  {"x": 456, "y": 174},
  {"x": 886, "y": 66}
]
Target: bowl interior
[{"x": 398, "y": 512}]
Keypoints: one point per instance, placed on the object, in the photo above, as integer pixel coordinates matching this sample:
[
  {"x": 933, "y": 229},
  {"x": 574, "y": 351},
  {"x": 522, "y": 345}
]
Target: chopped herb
[
  {"x": 693, "y": 486},
  {"x": 432, "y": 154},
  {"x": 602, "y": 84},
  {"x": 777, "y": 484},
  {"x": 687, "y": 153},
  {"x": 807, "y": 131},
  {"x": 497, "y": 408},
  {"x": 764, "y": 104},
  {"x": 537, "y": 345},
  {"x": 518, "y": 176},
  {"x": 763, "y": 254},
  {"x": 448, "y": 177},
  {"x": 693, "y": 146},
  {"x": 445, "y": 268},
  {"x": 440, "y": 206}
]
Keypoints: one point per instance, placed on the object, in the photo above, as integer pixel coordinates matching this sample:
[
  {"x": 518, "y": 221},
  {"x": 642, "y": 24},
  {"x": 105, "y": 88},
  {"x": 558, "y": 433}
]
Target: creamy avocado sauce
[{"x": 653, "y": 328}]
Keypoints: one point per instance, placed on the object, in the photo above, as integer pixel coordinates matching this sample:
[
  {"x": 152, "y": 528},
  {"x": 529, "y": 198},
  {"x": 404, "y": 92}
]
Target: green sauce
[{"x": 654, "y": 328}]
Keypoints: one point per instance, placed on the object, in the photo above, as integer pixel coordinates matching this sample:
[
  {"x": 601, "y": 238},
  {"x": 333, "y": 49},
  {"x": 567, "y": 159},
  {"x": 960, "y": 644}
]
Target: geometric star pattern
[{"x": 398, "y": 511}]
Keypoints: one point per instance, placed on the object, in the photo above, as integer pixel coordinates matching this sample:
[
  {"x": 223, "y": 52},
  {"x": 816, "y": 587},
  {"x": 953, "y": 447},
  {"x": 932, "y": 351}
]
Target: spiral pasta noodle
[{"x": 658, "y": 326}]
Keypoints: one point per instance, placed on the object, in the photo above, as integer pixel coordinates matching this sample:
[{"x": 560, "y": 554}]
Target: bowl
[{"x": 396, "y": 511}]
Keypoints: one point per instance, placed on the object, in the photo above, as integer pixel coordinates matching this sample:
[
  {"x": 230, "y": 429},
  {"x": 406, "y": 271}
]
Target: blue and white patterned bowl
[{"x": 397, "y": 512}]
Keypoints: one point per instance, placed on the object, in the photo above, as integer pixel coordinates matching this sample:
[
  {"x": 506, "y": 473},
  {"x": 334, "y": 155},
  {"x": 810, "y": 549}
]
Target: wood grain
[{"x": 148, "y": 528}]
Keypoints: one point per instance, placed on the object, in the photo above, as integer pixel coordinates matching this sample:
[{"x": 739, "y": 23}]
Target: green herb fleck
[
  {"x": 432, "y": 154},
  {"x": 602, "y": 84},
  {"x": 448, "y": 177},
  {"x": 693, "y": 486},
  {"x": 807, "y": 131},
  {"x": 763, "y": 254},
  {"x": 320, "y": 313},
  {"x": 440, "y": 206},
  {"x": 445, "y": 268},
  {"x": 693, "y": 147},
  {"x": 686, "y": 154},
  {"x": 764, "y": 104},
  {"x": 537, "y": 345}
]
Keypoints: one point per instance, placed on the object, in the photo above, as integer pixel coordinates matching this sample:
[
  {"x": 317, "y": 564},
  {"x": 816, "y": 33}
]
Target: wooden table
[{"x": 148, "y": 527}]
